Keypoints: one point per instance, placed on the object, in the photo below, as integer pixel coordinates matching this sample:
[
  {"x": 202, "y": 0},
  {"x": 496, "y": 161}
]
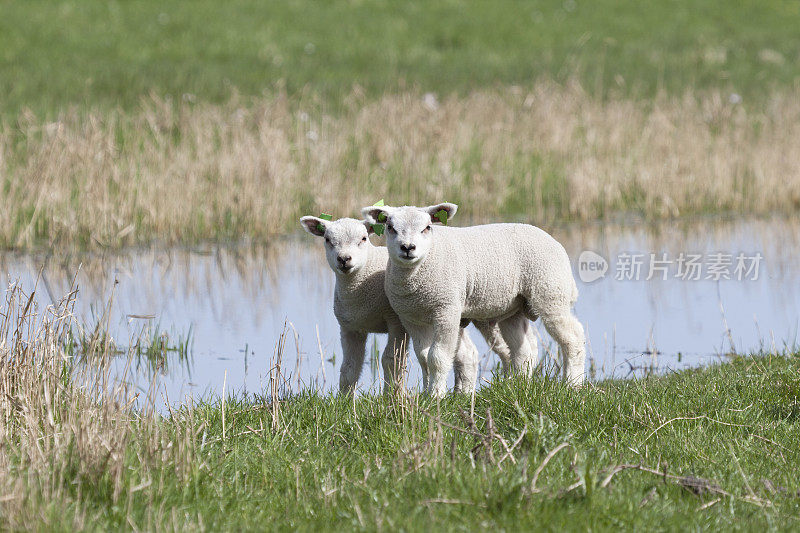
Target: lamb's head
[
  {"x": 346, "y": 241},
  {"x": 409, "y": 231}
]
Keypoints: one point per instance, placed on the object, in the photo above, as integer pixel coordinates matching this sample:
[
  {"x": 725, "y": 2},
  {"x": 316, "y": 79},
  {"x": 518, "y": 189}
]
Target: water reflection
[{"x": 238, "y": 300}]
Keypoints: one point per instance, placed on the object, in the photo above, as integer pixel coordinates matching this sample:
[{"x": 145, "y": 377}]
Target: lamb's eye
[
  {"x": 390, "y": 228},
  {"x": 363, "y": 239},
  {"x": 327, "y": 240},
  {"x": 426, "y": 230}
]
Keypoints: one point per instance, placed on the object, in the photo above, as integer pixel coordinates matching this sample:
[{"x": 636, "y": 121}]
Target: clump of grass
[
  {"x": 160, "y": 349},
  {"x": 152, "y": 347},
  {"x": 182, "y": 172}
]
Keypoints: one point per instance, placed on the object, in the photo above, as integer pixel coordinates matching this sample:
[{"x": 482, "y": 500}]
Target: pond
[{"x": 666, "y": 297}]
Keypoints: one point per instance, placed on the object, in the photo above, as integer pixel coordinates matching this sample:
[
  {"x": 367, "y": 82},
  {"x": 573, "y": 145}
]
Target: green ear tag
[
  {"x": 379, "y": 228},
  {"x": 441, "y": 214},
  {"x": 323, "y": 216}
]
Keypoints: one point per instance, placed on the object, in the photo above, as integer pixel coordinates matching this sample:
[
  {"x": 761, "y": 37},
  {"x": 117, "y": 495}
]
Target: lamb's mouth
[
  {"x": 346, "y": 269},
  {"x": 407, "y": 257}
]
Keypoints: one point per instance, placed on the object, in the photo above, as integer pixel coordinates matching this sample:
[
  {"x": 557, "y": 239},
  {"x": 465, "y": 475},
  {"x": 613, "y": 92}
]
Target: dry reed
[
  {"x": 70, "y": 434},
  {"x": 178, "y": 171}
]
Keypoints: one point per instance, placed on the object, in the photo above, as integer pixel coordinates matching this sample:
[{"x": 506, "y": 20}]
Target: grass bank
[
  {"x": 182, "y": 172},
  {"x": 89, "y": 53},
  {"x": 709, "y": 449}
]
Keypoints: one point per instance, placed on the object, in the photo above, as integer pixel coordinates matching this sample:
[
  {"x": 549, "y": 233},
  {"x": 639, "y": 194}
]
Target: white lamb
[
  {"x": 502, "y": 272},
  {"x": 361, "y": 307}
]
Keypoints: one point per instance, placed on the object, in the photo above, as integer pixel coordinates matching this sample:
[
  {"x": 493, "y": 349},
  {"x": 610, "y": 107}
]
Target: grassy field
[
  {"x": 706, "y": 449},
  {"x": 136, "y": 122},
  {"x": 95, "y": 53}
]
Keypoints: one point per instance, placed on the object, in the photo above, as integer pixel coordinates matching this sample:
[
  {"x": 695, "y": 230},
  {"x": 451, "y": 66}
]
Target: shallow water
[{"x": 237, "y": 301}]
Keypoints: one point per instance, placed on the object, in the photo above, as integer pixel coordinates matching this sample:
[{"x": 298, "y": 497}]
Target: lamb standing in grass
[
  {"x": 503, "y": 272},
  {"x": 361, "y": 307}
]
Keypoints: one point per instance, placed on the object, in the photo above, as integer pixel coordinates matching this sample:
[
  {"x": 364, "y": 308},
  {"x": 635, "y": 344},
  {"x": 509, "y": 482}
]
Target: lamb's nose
[
  {"x": 344, "y": 259},
  {"x": 408, "y": 247}
]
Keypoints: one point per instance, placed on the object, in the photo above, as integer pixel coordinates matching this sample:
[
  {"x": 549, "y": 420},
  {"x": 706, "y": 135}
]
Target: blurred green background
[{"x": 103, "y": 53}]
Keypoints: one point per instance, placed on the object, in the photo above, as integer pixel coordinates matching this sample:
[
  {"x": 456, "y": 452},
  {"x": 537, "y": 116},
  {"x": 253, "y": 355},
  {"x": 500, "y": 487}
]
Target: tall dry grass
[
  {"x": 184, "y": 172},
  {"x": 71, "y": 440}
]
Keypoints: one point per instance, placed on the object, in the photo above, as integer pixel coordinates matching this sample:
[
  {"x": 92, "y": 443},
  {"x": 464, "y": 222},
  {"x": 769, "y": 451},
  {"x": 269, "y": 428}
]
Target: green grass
[
  {"x": 151, "y": 347},
  {"x": 96, "y": 53},
  {"x": 329, "y": 463}
]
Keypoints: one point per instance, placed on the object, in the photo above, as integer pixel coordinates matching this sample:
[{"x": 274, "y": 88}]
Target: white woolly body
[
  {"x": 359, "y": 299},
  {"x": 439, "y": 276},
  {"x": 489, "y": 271}
]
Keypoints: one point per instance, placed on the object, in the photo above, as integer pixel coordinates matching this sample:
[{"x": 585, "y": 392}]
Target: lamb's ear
[
  {"x": 441, "y": 213},
  {"x": 313, "y": 225},
  {"x": 375, "y": 214},
  {"x": 369, "y": 226}
]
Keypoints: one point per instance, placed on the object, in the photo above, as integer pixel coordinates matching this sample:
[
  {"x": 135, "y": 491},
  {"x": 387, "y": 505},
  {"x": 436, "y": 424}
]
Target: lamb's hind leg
[
  {"x": 568, "y": 333},
  {"x": 465, "y": 365},
  {"x": 494, "y": 338},
  {"x": 534, "y": 342},
  {"x": 515, "y": 332}
]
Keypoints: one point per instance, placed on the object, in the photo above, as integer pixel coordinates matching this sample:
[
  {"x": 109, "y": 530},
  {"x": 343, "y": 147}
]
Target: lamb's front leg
[
  {"x": 353, "y": 345},
  {"x": 441, "y": 354}
]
